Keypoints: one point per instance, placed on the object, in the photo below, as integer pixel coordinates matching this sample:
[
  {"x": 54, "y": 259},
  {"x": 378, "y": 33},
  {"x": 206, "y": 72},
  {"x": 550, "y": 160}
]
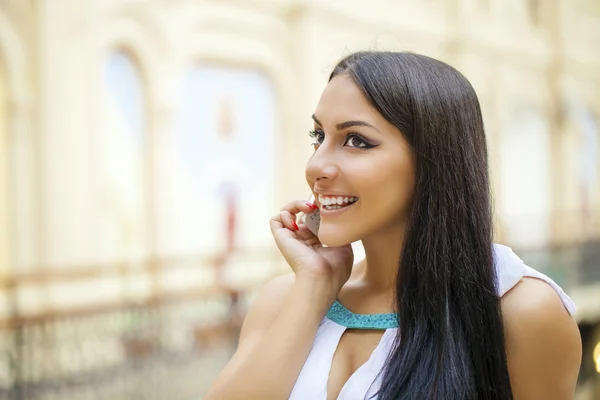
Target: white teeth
[{"x": 333, "y": 203}]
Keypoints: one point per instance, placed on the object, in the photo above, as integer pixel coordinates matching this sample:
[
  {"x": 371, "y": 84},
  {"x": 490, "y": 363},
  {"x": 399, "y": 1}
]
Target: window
[
  {"x": 525, "y": 177},
  {"x": 121, "y": 193},
  {"x": 223, "y": 161},
  {"x": 589, "y": 165}
]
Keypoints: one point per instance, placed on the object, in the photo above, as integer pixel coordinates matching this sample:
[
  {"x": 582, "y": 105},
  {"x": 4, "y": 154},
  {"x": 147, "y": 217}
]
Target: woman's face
[{"x": 361, "y": 161}]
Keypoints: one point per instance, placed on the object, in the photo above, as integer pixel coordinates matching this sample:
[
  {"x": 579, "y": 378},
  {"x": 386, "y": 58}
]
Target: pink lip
[
  {"x": 335, "y": 195},
  {"x": 331, "y": 194}
]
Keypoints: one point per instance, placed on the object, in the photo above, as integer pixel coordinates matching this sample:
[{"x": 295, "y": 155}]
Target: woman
[{"x": 435, "y": 310}]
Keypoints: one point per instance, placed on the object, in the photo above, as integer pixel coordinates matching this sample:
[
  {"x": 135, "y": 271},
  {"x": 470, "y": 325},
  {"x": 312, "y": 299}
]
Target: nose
[{"x": 321, "y": 166}]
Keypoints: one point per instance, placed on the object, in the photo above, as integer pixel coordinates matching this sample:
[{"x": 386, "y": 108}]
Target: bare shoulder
[
  {"x": 276, "y": 287},
  {"x": 260, "y": 317},
  {"x": 533, "y": 298},
  {"x": 266, "y": 305},
  {"x": 542, "y": 341}
]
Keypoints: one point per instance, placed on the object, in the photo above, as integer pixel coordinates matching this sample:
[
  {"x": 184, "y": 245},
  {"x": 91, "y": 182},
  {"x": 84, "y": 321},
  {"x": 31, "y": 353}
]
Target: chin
[{"x": 332, "y": 236}]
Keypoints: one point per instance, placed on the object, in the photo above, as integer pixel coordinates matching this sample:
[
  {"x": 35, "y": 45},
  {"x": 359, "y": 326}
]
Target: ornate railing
[
  {"x": 571, "y": 265},
  {"x": 168, "y": 345}
]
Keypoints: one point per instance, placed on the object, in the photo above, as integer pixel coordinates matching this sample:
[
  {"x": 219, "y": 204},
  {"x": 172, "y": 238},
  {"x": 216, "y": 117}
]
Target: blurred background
[{"x": 144, "y": 144}]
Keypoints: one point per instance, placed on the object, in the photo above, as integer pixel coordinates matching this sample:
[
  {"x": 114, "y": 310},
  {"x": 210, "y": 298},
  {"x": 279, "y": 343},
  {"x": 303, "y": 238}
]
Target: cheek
[
  {"x": 391, "y": 189},
  {"x": 386, "y": 190}
]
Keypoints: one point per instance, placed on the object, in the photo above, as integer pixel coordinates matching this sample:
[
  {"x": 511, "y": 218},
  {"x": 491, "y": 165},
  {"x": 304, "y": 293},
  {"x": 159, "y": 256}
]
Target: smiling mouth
[{"x": 336, "y": 202}]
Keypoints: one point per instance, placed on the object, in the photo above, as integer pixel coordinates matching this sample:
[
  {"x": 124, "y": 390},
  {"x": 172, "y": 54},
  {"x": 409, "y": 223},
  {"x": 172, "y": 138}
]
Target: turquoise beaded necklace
[{"x": 342, "y": 316}]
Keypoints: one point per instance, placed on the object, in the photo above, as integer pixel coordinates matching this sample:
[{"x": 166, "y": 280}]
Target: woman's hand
[{"x": 304, "y": 252}]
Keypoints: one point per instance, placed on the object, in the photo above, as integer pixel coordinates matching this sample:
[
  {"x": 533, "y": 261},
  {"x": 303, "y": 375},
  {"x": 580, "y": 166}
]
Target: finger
[
  {"x": 276, "y": 222},
  {"x": 282, "y": 220},
  {"x": 299, "y": 206},
  {"x": 289, "y": 220}
]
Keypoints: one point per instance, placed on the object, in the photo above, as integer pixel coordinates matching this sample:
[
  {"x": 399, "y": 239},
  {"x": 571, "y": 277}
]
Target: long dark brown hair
[{"x": 450, "y": 344}]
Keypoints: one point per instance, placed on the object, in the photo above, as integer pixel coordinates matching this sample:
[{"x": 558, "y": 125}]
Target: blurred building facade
[{"x": 145, "y": 143}]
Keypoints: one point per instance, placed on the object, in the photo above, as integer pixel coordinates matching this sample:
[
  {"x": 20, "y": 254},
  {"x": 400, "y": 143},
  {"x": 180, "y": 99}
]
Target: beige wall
[
  {"x": 16, "y": 46},
  {"x": 5, "y": 223},
  {"x": 55, "y": 49},
  {"x": 296, "y": 44}
]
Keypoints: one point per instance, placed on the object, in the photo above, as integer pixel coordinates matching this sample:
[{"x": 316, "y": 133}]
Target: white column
[
  {"x": 24, "y": 187},
  {"x": 5, "y": 247}
]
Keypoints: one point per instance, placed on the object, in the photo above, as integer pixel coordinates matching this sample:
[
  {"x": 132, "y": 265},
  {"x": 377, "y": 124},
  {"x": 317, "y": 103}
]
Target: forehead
[{"x": 343, "y": 100}]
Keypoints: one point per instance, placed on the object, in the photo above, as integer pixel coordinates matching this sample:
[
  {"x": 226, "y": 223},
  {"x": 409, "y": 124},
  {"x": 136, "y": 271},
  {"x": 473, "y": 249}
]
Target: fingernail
[
  {"x": 295, "y": 225},
  {"x": 312, "y": 205}
]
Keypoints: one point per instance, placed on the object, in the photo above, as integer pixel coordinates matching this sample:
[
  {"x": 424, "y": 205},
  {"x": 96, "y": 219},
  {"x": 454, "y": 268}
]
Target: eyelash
[{"x": 316, "y": 134}]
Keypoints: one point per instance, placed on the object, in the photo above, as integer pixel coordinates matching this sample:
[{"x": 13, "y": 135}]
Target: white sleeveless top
[{"x": 312, "y": 381}]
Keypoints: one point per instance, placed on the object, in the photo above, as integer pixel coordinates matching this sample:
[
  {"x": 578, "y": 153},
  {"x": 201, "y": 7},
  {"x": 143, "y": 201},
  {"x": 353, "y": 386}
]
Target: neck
[{"x": 380, "y": 267}]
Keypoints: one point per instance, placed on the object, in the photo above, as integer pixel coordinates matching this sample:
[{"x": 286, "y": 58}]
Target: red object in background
[
  {"x": 231, "y": 219},
  {"x": 230, "y": 232},
  {"x": 226, "y": 129}
]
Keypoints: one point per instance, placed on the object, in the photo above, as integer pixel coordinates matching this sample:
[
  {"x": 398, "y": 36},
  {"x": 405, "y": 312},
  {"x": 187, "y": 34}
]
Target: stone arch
[
  {"x": 133, "y": 38},
  {"x": 125, "y": 59},
  {"x": 123, "y": 167},
  {"x": 251, "y": 67},
  {"x": 136, "y": 32},
  {"x": 238, "y": 50},
  {"x": 247, "y": 51},
  {"x": 243, "y": 52}
]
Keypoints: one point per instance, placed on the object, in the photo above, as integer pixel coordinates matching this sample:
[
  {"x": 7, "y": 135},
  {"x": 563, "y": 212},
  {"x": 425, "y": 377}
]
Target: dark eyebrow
[
  {"x": 347, "y": 124},
  {"x": 316, "y": 120}
]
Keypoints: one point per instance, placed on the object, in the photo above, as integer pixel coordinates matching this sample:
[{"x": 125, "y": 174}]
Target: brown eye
[
  {"x": 357, "y": 142},
  {"x": 354, "y": 142}
]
